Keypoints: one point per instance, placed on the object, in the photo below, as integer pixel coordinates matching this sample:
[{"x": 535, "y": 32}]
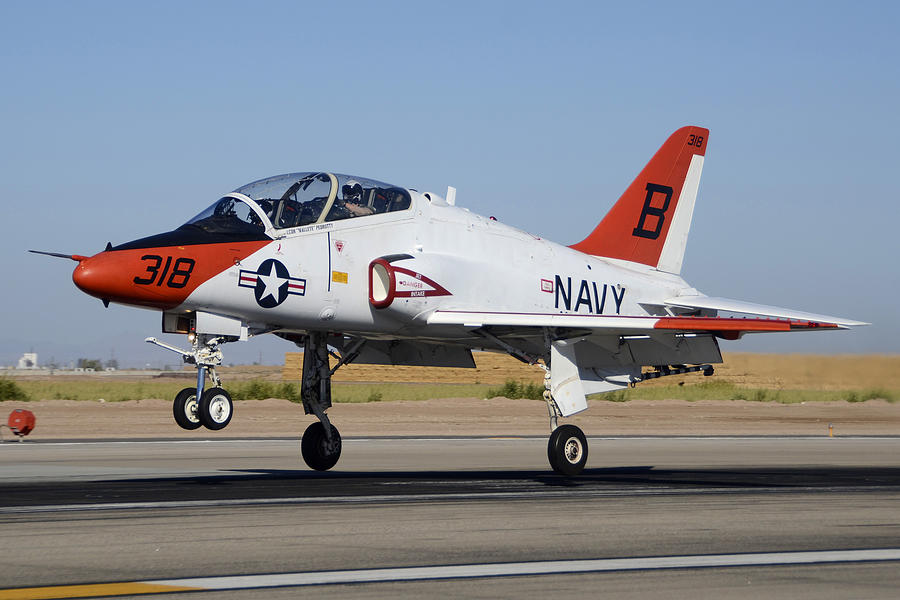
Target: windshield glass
[
  {"x": 299, "y": 199},
  {"x": 228, "y": 215}
]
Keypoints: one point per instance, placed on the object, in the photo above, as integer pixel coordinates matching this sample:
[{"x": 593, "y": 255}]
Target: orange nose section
[
  {"x": 87, "y": 276},
  {"x": 160, "y": 278},
  {"x": 131, "y": 277}
]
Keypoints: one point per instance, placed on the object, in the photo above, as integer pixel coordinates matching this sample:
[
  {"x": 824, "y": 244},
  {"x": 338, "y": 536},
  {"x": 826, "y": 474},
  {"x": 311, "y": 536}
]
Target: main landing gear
[
  {"x": 567, "y": 448},
  {"x": 321, "y": 442},
  {"x": 195, "y": 406}
]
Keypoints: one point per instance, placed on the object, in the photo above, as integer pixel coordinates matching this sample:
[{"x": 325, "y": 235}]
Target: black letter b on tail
[{"x": 659, "y": 213}]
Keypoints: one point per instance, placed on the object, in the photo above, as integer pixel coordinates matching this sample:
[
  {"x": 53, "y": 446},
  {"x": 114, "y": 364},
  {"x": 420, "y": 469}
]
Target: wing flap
[{"x": 474, "y": 319}]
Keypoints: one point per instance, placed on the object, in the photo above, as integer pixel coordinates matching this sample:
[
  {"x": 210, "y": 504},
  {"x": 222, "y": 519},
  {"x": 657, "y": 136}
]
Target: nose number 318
[{"x": 157, "y": 272}]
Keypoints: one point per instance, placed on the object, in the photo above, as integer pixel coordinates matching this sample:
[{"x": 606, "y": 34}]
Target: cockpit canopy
[{"x": 299, "y": 199}]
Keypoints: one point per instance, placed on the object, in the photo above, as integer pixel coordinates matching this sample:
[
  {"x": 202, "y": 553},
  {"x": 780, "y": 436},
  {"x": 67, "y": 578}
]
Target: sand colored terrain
[
  {"x": 771, "y": 371},
  {"x": 67, "y": 419},
  {"x": 152, "y": 418}
]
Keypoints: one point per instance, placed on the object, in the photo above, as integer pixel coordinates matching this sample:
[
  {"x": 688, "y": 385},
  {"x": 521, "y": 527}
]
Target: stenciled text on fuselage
[{"x": 597, "y": 298}]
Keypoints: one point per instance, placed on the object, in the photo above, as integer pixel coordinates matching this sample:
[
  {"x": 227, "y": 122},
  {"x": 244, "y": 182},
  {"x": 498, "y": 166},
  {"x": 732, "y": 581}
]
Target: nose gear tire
[
  {"x": 185, "y": 409},
  {"x": 317, "y": 452},
  {"x": 216, "y": 408}
]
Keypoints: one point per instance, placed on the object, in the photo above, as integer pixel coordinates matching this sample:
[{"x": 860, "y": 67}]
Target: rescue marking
[
  {"x": 272, "y": 283},
  {"x": 469, "y": 571},
  {"x": 416, "y": 285}
]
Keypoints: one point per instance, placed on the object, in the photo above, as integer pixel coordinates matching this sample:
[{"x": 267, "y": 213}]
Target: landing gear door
[
  {"x": 565, "y": 384},
  {"x": 219, "y": 325},
  {"x": 574, "y": 375},
  {"x": 204, "y": 323}
]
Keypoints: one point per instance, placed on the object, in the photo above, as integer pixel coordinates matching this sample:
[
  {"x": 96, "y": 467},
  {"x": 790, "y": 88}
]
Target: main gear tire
[
  {"x": 318, "y": 453},
  {"x": 567, "y": 450},
  {"x": 185, "y": 409},
  {"x": 216, "y": 408}
]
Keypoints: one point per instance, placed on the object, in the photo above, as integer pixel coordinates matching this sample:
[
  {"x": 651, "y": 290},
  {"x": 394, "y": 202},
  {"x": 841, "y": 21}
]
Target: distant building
[{"x": 28, "y": 361}]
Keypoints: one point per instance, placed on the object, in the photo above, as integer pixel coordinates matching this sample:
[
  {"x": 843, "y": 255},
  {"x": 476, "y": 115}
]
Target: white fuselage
[{"x": 479, "y": 261}]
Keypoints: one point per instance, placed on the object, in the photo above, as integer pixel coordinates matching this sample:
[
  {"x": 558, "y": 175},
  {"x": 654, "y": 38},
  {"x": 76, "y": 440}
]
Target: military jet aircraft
[{"x": 357, "y": 270}]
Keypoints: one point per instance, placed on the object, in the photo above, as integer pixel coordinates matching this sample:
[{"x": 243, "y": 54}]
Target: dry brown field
[
  {"x": 771, "y": 371},
  {"x": 151, "y": 417}
]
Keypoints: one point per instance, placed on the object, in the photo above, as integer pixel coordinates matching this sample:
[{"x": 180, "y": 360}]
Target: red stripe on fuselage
[{"x": 160, "y": 278}]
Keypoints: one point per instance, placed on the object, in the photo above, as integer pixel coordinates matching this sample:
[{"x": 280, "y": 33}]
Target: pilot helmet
[{"x": 352, "y": 190}]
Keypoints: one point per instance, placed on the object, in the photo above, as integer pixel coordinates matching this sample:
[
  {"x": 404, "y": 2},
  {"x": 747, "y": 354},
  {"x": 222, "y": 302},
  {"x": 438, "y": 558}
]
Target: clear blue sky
[{"x": 123, "y": 119}]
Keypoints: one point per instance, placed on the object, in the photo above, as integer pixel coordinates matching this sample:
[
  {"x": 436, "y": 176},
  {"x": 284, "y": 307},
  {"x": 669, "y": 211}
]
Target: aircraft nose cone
[{"x": 93, "y": 277}]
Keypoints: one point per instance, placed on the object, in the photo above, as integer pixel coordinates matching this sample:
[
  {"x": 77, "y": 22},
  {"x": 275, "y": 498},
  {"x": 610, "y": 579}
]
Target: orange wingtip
[{"x": 719, "y": 324}]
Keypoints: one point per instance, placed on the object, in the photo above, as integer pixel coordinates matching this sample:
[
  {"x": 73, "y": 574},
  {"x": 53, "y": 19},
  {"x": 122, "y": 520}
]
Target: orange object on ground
[{"x": 21, "y": 421}]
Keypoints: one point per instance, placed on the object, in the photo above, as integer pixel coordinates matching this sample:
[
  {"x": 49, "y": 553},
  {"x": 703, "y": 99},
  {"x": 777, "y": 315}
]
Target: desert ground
[
  {"x": 772, "y": 371},
  {"x": 151, "y": 417}
]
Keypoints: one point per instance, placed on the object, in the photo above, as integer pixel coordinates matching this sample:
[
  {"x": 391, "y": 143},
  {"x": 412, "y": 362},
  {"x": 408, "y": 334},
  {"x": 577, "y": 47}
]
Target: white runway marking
[
  {"x": 532, "y": 568},
  {"x": 517, "y": 569}
]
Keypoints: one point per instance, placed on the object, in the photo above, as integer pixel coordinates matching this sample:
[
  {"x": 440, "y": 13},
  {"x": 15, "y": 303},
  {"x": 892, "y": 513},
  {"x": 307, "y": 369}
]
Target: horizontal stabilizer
[{"x": 762, "y": 310}]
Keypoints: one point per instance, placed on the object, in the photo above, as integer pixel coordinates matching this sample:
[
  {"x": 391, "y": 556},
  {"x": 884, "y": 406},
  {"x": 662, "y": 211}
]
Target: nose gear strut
[{"x": 193, "y": 407}]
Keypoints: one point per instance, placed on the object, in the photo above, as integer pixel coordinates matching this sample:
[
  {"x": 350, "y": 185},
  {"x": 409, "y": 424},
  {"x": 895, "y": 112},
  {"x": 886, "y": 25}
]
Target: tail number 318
[{"x": 157, "y": 272}]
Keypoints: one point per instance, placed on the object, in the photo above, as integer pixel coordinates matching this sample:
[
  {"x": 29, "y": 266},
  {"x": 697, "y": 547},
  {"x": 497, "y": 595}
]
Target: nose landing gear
[{"x": 193, "y": 407}]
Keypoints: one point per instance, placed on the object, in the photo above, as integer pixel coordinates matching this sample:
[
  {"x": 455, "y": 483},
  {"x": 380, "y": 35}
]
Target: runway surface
[{"x": 462, "y": 517}]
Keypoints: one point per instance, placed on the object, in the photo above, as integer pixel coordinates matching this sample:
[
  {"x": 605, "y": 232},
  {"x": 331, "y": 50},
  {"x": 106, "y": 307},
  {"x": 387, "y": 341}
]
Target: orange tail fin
[{"x": 649, "y": 224}]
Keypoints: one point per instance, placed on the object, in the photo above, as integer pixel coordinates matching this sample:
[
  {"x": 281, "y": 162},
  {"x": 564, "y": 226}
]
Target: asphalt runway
[{"x": 462, "y": 517}]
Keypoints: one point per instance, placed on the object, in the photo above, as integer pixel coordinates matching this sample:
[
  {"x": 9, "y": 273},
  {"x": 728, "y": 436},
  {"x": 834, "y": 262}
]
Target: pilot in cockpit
[{"x": 353, "y": 201}]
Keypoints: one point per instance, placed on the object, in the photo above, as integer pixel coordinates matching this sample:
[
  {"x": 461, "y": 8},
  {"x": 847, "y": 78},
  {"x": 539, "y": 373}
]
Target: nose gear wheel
[
  {"x": 216, "y": 408},
  {"x": 198, "y": 406},
  {"x": 184, "y": 409}
]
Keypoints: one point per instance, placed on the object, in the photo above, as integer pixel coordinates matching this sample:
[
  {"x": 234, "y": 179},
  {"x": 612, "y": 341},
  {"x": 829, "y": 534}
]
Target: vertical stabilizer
[{"x": 649, "y": 224}]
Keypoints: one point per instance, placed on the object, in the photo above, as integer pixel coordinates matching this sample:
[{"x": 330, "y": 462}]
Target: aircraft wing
[
  {"x": 636, "y": 325},
  {"x": 607, "y": 352}
]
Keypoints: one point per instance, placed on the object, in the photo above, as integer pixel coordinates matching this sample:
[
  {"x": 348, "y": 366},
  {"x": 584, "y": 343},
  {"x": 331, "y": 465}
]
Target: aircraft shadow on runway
[{"x": 293, "y": 484}]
